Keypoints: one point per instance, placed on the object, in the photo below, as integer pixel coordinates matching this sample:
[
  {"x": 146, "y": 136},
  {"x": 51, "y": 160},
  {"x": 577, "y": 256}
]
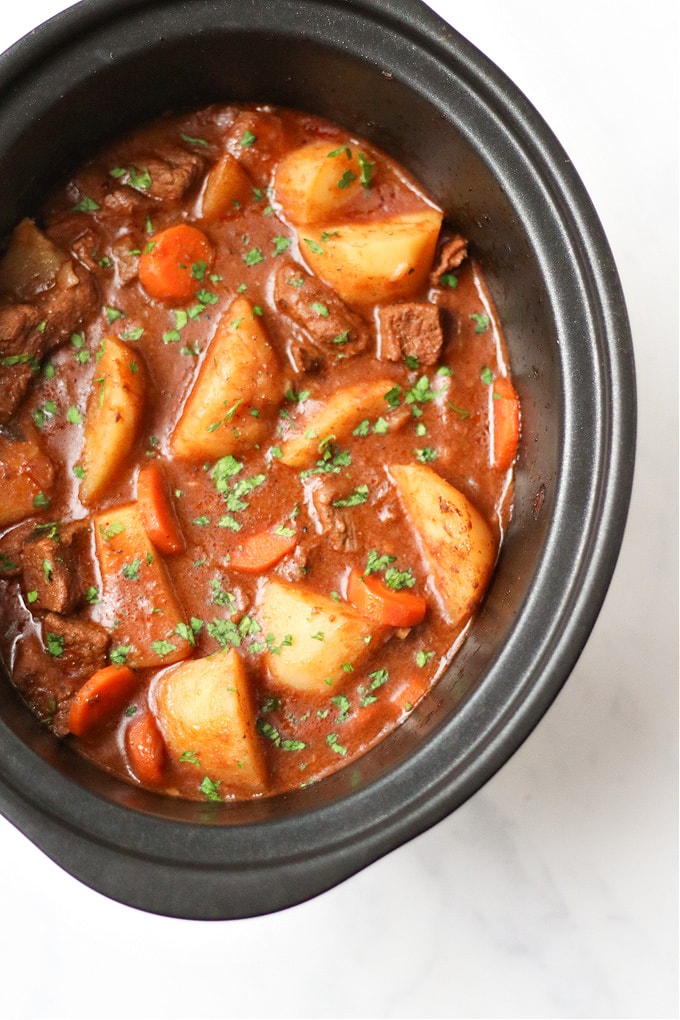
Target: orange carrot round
[
  {"x": 174, "y": 262},
  {"x": 100, "y": 698},
  {"x": 157, "y": 510},
  {"x": 260, "y": 551},
  {"x": 505, "y": 423},
  {"x": 146, "y": 748},
  {"x": 370, "y": 596}
]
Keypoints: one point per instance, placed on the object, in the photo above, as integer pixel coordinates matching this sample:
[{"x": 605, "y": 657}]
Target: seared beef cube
[
  {"x": 125, "y": 258},
  {"x": 79, "y": 645},
  {"x": 11, "y": 547},
  {"x": 69, "y": 304},
  {"x": 172, "y": 173},
  {"x": 21, "y": 346},
  {"x": 257, "y": 138},
  {"x": 62, "y": 308},
  {"x": 337, "y": 524},
  {"x": 85, "y": 250},
  {"x": 319, "y": 311},
  {"x": 48, "y": 673},
  {"x": 451, "y": 255},
  {"x": 122, "y": 202},
  {"x": 410, "y": 329},
  {"x": 18, "y": 334},
  {"x": 164, "y": 176},
  {"x": 14, "y": 382},
  {"x": 50, "y": 575}
]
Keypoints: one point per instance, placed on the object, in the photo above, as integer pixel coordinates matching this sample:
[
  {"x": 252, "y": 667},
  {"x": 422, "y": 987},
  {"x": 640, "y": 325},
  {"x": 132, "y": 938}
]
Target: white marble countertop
[{"x": 553, "y": 891}]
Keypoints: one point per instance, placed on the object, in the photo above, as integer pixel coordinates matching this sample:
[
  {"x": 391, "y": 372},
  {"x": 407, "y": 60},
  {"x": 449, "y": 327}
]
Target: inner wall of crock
[{"x": 82, "y": 99}]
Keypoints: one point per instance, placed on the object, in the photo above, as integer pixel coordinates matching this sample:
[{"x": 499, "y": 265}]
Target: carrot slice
[
  {"x": 157, "y": 510},
  {"x": 260, "y": 551},
  {"x": 172, "y": 266},
  {"x": 100, "y": 697},
  {"x": 370, "y": 596},
  {"x": 505, "y": 423},
  {"x": 146, "y": 748}
]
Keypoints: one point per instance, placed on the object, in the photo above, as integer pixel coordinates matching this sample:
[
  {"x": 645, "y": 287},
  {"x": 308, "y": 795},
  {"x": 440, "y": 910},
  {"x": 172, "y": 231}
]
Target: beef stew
[{"x": 257, "y": 444}]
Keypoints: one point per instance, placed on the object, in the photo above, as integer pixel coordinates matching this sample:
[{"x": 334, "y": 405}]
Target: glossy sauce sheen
[{"x": 442, "y": 418}]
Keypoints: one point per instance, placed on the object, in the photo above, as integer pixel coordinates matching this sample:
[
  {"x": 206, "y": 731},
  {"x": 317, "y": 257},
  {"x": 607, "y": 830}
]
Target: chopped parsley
[
  {"x": 253, "y": 257},
  {"x": 335, "y": 745},
  {"x": 55, "y": 644},
  {"x": 356, "y": 498},
  {"x": 210, "y": 788},
  {"x": 281, "y": 244},
  {"x": 313, "y": 246},
  {"x": 366, "y": 173},
  {"x": 130, "y": 571},
  {"x": 481, "y": 322},
  {"x": 163, "y": 648},
  {"x": 86, "y": 204},
  {"x": 331, "y": 461}
]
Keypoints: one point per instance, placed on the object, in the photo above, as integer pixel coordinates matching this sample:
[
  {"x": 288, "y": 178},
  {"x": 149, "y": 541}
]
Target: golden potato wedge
[
  {"x": 138, "y": 603},
  {"x": 457, "y": 543},
  {"x": 31, "y": 262},
  {"x": 318, "y": 641},
  {"x": 335, "y": 417},
  {"x": 206, "y": 707},
  {"x": 385, "y": 260},
  {"x": 315, "y": 182},
  {"x": 237, "y": 388},
  {"x": 227, "y": 187},
  {"x": 26, "y": 478},
  {"x": 112, "y": 418}
]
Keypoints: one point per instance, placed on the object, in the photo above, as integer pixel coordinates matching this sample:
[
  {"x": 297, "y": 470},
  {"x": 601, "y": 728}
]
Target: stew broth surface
[{"x": 340, "y": 509}]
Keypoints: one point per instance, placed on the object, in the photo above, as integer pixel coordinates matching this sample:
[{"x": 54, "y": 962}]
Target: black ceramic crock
[{"x": 394, "y": 72}]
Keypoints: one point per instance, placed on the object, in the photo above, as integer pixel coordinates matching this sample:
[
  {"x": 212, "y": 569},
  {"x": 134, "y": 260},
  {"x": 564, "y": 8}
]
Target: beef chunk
[
  {"x": 336, "y": 523},
  {"x": 257, "y": 138},
  {"x": 51, "y": 574},
  {"x": 18, "y": 334},
  {"x": 164, "y": 176},
  {"x": 451, "y": 255},
  {"x": 67, "y": 305},
  {"x": 122, "y": 202},
  {"x": 20, "y": 345},
  {"x": 80, "y": 645},
  {"x": 327, "y": 322},
  {"x": 125, "y": 258},
  {"x": 48, "y": 673},
  {"x": 14, "y": 383},
  {"x": 85, "y": 250},
  {"x": 410, "y": 329},
  {"x": 58, "y": 296},
  {"x": 11, "y": 545},
  {"x": 173, "y": 172}
]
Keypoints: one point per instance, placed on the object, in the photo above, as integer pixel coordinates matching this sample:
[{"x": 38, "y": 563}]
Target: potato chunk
[
  {"x": 30, "y": 264},
  {"x": 457, "y": 543},
  {"x": 335, "y": 417},
  {"x": 227, "y": 187},
  {"x": 113, "y": 417},
  {"x": 385, "y": 260},
  {"x": 318, "y": 641},
  {"x": 26, "y": 478},
  {"x": 138, "y": 603},
  {"x": 206, "y": 706},
  {"x": 315, "y": 182},
  {"x": 237, "y": 388}
]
